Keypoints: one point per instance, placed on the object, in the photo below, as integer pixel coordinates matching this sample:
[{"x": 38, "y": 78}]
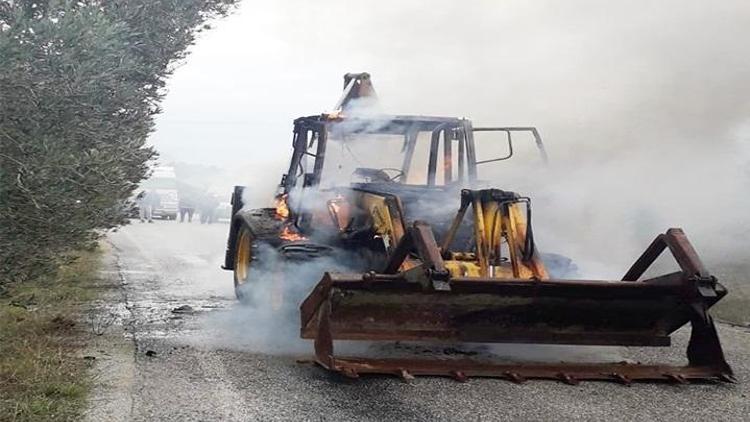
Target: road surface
[{"x": 216, "y": 360}]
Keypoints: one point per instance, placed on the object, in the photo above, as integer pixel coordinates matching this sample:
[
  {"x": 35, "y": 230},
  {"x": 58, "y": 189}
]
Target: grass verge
[{"x": 42, "y": 373}]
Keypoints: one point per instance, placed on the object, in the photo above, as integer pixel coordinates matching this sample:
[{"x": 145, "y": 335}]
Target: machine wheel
[{"x": 243, "y": 258}]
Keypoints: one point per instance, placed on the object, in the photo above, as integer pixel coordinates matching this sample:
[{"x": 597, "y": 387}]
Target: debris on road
[{"x": 184, "y": 309}]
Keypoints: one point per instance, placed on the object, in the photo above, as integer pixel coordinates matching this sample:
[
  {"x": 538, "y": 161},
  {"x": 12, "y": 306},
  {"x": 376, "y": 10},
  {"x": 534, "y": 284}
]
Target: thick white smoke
[{"x": 640, "y": 104}]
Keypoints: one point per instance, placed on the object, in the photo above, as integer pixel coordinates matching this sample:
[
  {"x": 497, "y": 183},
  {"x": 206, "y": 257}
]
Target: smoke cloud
[
  {"x": 640, "y": 105},
  {"x": 266, "y": 320}
]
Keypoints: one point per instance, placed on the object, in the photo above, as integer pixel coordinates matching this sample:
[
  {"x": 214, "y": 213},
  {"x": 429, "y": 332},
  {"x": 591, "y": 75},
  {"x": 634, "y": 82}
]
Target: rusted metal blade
[
  {"x": 348, "y": 307},
  {"x": 568, "y": 373},
  {"x": 507, "y": 311},
  {"x": 392, "y": 307}
]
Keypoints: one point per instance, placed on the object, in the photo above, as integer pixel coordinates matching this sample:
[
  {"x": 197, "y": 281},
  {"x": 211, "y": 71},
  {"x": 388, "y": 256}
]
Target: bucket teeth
[
  {"x": 349, "y": 372},
  {"x": 728, "y": 378},
  {"x": 622, "y": 379},
  {"x": 515, "y": 377},
  {"x": 405, "y": 375},
  {"x": 568, "y": 379},
  {"x": 459, "y": 376},
  {"x": 679, "y": 379}
]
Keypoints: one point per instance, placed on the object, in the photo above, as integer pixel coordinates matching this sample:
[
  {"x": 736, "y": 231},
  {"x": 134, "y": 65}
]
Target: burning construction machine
[{"x": 441, "y": 259}]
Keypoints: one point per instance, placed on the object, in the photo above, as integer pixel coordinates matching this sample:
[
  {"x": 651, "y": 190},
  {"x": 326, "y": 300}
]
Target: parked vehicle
[{"x": 164, "y": 183}]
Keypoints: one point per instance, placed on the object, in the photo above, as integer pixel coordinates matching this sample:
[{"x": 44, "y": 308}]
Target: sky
[
  {"x": 643, "y": 105},
  {"x": 563, "y": 66}
]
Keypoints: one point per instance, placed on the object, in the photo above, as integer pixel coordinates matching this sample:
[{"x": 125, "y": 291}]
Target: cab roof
[{"x": 380, "y": 123}]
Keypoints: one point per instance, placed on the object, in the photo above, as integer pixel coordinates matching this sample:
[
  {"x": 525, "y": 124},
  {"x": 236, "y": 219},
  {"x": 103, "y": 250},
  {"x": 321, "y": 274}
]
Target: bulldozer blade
[
  {"x": 574, "y": 312},
  {"x": 630, "y": 312},
  {"x": 508, "y": 311}
]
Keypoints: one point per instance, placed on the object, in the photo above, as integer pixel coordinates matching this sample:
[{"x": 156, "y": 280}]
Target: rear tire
[{"x": 243, "y": 258}]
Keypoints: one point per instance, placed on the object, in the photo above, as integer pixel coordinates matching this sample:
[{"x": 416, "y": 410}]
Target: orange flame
[
  {"x": 282, "y": 209},
  {"x": 334, "y": 115},
  {"x": 290, "y": 235}
]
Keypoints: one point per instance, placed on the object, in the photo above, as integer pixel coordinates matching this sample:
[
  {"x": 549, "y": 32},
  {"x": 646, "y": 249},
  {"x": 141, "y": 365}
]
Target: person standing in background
[
  {"x": 187, "y": 206},
  {"x": 208, "y": 209},
  {"x": 147, "y": 201},
  {"x": 144, "y": 210}
]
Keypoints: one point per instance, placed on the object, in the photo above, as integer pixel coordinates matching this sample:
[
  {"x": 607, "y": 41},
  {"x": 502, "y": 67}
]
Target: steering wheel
[
  {"x": 399, "y": 174},
  {"x": 378, "y": 175}
]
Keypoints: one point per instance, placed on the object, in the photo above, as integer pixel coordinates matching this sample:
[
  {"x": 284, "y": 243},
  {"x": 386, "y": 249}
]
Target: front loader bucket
[{"x": 575, "y": 312}]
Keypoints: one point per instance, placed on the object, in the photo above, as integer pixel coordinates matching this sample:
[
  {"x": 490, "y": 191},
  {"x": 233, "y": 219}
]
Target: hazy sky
[{"x": 609, "y": 69}]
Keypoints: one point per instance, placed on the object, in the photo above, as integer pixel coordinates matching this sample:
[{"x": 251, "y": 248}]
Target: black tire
[{"x": 243, "y": 258}]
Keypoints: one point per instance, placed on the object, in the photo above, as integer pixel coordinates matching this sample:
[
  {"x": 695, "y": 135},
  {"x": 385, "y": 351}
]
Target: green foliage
[
  {"x": 42, "y": 374},
  {"x": 80, "y": 83}
]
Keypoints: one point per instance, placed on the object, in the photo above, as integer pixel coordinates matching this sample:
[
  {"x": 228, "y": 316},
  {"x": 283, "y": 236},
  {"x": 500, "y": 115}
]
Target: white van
[{"x": 164, "y": 182}]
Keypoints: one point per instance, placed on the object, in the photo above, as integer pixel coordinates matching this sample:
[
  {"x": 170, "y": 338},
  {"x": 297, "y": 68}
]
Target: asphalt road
[{"x": 220, "y": 361}]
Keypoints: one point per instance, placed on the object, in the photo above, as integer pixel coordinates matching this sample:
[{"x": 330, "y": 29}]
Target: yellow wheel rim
[{"x": 243, "y": 257}]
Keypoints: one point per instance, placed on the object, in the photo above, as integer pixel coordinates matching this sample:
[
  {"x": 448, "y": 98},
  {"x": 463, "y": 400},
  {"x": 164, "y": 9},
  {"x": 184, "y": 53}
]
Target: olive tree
[{"x": 80, "y": 83}]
